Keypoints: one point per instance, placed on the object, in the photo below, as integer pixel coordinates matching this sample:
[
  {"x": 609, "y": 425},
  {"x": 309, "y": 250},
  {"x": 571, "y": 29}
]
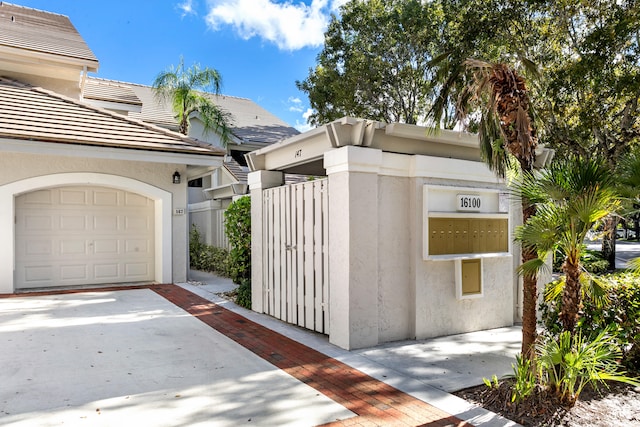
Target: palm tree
[
  {"x": 570, "y": 197},
  {"x": 506, "y": 131},
  {"x": 192, "y": 90}
]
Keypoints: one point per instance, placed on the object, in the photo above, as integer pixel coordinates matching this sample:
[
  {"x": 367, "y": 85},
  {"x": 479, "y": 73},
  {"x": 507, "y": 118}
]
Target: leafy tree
[
  {"x": 629, "y": 185},
  {"x": 375, "y": 63},
  {"x": 191, "y": 90},
  {"x": 570, "y": 196},
  {"x": 589, "y": 96}
]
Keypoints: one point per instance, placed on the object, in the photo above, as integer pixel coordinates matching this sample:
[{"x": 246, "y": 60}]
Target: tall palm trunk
[
  {"x": 530, "y": 293},
  {"x": 609, "y": 241},
  {"x": 571, "y": 296},
  {"x": 512, "y": 105}
]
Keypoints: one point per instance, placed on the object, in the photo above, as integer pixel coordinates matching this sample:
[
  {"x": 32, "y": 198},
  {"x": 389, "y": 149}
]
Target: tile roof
[
  {"x": 251, "y": 123},
  {"x": 238, "y": 171},
  {"x": 101, "y": 90},
  {"x": 43, "y": 32},
  {"x": 32, "y": 113}
]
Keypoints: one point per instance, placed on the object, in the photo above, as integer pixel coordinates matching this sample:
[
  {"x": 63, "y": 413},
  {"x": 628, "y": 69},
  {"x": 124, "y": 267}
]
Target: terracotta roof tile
[{"x": 32, "y": 113}]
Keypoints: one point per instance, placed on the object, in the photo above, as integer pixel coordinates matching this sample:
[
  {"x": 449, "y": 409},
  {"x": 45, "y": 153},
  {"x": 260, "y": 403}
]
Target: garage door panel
[
  {"x": 73, "y": 197},
  {"x": 38, "y": 247},
  {"x": 105, "y": 198},
  {"x": 106, "y": 271},
  {"x": 137, "y": 223},
  {"x": 106, "y": 247},
  {"x": 141, "y": 246},
  {"x": 41, "y": 197},
  {"x": 137, "y": 269},
  {"x": 83, "y": 235},
  {"x": 73, "y": 247},
  {"x": 38, "y": 274},
  {"x": 36, "y": 223},
  {"x": 105, "y": 223},
  {"x": 72, "y": 222},
  {"x": 74, "y": 272},
  {"x": 135, "y": 200}
]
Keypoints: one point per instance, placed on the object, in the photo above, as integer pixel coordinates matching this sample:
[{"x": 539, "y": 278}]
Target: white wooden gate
[{"x": 296, "y": 262}]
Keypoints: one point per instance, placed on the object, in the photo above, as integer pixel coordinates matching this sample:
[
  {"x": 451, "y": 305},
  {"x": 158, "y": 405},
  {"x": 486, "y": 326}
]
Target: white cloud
[
  {"x": 187, "y": 8},
  {"x": 295, "y": 104},
  {"x": 288, "y": 25},
  {"x": 304, "y": 126}
]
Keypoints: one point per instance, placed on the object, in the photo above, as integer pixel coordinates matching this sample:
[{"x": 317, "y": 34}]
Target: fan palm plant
[
  {"x": 570, "y": 197},
  {"x": 193, "y": 90}
]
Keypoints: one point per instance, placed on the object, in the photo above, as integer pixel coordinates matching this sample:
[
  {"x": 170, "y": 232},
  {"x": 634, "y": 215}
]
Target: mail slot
[{"x": 468, "y": 278}]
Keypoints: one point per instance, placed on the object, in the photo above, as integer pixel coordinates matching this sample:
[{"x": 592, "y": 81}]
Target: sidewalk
[{"x": 425, "y": 370}]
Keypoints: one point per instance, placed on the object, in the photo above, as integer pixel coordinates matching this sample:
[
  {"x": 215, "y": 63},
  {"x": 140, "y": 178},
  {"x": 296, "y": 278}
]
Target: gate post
[
  {"x": 353, "y": 245},
  {"x": 258, "y": 181}
]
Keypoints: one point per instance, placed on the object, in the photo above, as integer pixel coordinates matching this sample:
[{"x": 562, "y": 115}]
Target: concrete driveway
[
  {"x": 170, "y": 355},
  {"x": 132, "y": 358}
]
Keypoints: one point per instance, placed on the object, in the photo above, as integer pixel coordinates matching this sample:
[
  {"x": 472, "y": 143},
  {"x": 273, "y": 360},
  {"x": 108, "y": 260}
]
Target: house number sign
[{"x": 469, "y": 203}]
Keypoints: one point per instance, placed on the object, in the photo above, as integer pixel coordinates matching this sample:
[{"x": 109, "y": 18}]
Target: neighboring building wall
[
  {"x": 20, "y": 166},
  {"x": 208, "y": 217}
]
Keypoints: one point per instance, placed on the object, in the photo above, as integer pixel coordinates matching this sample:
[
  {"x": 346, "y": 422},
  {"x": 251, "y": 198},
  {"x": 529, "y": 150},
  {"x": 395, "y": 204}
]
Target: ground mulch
[{"x": 615, "y": 405}]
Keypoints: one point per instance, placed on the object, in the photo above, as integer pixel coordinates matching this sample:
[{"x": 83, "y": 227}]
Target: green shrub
[
  {"x": 618, "y": 312},
  {"x": 525, "y": 379},
  {"x": 243, "y": 294},
  {"x": 591, "y": 260},
  {"x": 238, "y": 230},
  {"x": 206, "y": 257},
  {"x": 569, "y": 362},
  {"x": 196, "y": 247}
]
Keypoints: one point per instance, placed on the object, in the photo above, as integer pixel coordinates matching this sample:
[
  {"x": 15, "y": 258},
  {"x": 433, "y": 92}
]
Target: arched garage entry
[{"x": 95, "y": 231}]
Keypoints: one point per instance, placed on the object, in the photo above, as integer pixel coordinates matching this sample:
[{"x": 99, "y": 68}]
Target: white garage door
[{"x": 83, "y": 235}]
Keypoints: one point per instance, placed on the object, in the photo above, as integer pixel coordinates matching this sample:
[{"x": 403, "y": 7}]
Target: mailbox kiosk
[
  {"x": 465, "y": 225},
  {"x": 403, "y": 233}
]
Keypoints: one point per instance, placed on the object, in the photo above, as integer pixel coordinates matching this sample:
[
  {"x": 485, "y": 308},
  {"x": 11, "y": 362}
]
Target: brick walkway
[{"x": 374, "y": 402}]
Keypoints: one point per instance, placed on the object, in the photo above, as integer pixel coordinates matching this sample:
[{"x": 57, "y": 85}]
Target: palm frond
[{"x": 533, "y": 267}]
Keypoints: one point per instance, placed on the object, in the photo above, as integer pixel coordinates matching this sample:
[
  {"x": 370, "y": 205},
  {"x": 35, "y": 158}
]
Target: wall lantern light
[{"x": 176, "y": 177}]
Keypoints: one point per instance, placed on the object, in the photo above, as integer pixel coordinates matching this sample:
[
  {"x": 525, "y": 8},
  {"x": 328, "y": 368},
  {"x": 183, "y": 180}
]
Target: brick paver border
[{"x": 374, "y": 402}]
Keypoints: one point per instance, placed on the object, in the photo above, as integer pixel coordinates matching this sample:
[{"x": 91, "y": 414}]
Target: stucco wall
[
  {"x": 385, "y": 290},
  {"x": 416, "y": 297},
  {"x": 394, "y": 274},
  {"x": 20, "y": 166},
  {"x": 437, "y": 310}
]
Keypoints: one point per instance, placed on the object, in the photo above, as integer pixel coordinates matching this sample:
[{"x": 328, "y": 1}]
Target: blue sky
[{"x": 261, "y": 47}]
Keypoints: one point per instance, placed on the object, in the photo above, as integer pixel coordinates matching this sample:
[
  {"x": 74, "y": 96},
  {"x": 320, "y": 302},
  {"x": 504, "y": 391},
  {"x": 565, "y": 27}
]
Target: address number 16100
[{"x": 469, "y": 202}]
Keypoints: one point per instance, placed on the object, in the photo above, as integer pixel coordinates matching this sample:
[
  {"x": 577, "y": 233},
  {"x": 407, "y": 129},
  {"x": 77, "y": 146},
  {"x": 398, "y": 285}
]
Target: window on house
[{"x": 196, "y": 183}]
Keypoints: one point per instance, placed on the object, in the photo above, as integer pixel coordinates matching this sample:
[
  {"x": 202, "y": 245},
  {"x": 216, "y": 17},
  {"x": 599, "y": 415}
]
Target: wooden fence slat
[
  {"x": 317, "y": 255},
  {"x": 288, "y": 219},
  {"x": 277, "y": 294},
  {"x": 267, "y": 259},
  {"x": 325, "y": 256},
  {"x": 300, "y": 221},
  {"x": 309, "y": 277}
]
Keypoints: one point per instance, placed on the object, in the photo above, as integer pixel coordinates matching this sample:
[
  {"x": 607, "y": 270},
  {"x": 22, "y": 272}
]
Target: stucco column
[
  {"x": 353, "y": 245},
  {"x": 258, "y": 181}
]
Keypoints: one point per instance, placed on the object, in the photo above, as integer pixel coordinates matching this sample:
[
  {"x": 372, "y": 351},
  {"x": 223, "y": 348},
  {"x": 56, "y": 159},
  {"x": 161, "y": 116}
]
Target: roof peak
[{"x": 3, "y": 3}]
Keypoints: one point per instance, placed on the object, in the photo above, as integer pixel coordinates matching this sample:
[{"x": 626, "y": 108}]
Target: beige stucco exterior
[
  {"x": 24, "y": 172},
  {"x": 382, "y": 286}
]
